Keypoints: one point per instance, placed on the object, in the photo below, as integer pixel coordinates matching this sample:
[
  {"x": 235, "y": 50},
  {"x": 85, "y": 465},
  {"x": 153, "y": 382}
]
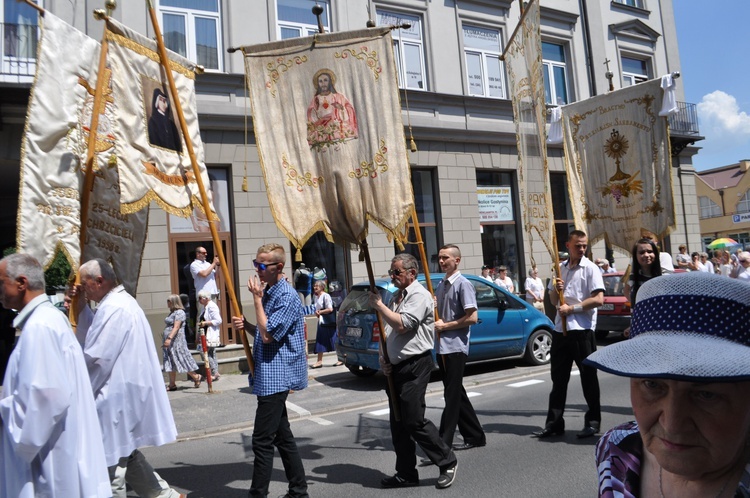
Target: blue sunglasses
[{"x": 263, "y": 266}]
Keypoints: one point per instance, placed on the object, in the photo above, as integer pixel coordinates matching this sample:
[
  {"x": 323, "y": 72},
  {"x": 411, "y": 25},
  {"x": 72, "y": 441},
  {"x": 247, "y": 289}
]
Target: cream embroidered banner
[
  {"x": 327, "y": 121},
  {"x": 618, "y": 160},
  {"x": 523, "y": 59},
  {"x": 53, "y": 152},
  {"x": 152, "y": 157}
]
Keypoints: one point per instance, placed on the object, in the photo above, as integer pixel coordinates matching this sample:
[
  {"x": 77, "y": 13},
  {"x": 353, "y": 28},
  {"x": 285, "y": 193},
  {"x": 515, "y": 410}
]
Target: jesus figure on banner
[{"x": 331, "y": 117}]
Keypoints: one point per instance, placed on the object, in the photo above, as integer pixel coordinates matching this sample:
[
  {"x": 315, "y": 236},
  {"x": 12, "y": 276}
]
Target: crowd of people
[{"x": 68, "y": 429}]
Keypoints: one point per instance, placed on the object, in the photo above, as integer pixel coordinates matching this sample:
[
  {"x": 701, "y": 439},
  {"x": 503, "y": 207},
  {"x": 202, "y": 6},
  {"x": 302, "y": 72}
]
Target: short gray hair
[
  {"x": 18, "y": 264},
  {"x": 408, "y": 261},
  {"x": 204, "y": 294},
  {"x": 97, "y": 267}
]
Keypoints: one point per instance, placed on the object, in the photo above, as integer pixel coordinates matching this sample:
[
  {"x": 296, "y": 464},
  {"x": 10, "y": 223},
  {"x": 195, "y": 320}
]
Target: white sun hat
[{"x": 690, "y": 326}]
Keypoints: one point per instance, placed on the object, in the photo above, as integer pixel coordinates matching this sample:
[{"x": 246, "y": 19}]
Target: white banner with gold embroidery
[
  {"x": 523, "y": 59},
  {"x": 328, "y": 125},
  {"x": 618, "y": 160},
  {"x": 152, "y": 157},
  {"x": 53, "y": 151}
]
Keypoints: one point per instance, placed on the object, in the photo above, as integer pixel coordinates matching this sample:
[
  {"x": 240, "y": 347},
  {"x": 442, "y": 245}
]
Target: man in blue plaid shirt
[{"x": 279, "y": 351}]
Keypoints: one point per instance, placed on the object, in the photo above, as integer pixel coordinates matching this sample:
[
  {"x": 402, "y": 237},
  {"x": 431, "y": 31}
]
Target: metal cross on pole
[{"x": 609, "y": 75}]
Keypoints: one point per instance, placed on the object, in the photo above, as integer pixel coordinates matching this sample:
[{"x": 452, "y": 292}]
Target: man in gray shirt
[
  {"x": 409, "y": 329},
  {"x": 457, "y": 312}
]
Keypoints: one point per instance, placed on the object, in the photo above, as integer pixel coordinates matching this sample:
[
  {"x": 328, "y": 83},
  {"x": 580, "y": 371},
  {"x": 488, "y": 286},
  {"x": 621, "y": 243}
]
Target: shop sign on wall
[{"x": 495, "y": 204}]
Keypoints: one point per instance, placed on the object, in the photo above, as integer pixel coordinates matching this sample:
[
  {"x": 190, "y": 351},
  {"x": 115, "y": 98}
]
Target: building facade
[
  {"x": 724, "y": 203},
  {"x": 455, "y": 103}
]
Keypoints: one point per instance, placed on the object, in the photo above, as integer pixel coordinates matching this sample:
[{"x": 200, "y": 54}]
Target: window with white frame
[
  {"x": 632, "y": 3},
  {"x": 408, "y": 46},
  {"x": 634, "y": 71},
  {"x": 192, "y": 28},
  {"x": 484, "y": 70},
  {"x": 709, "y": 209},
  {"x": 295, "y": 18},
  {"x": 555, "y": 74},
  {"x": 744, "y": 205}
]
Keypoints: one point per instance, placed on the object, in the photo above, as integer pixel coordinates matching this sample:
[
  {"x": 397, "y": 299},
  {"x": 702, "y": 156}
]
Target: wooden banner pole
[
  {"x": 199, "y": 180},
  {"x": 383, "y": 336}
]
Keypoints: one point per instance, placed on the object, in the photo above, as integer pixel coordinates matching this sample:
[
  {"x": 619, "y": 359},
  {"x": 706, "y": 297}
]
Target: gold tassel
[
  {"x": 412, "y": 145},
  {"x": 112, "y": 162},
  {"x": 298, "y": 255},
  {"x": 244, "y": 184}
]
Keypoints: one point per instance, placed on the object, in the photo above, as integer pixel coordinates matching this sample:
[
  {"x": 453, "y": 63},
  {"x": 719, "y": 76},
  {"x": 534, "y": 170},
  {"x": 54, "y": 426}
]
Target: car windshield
[
  {"x": 613, "y": 284},
  {"x": 357, "y": 301}
]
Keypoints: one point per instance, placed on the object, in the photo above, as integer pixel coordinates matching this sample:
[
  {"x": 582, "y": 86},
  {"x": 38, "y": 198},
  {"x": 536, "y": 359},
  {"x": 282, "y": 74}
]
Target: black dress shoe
[
  {"x": 548, "y": 432},
  {"x": 396, "y": 481},
  {"x": 587, "y": 431},
  {"x": 467, "y": 446}
]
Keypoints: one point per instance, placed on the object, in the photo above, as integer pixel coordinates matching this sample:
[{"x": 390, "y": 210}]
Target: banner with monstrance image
[
  {"x": 328, "y": 126},
  {"x": 618, "y": 160}
]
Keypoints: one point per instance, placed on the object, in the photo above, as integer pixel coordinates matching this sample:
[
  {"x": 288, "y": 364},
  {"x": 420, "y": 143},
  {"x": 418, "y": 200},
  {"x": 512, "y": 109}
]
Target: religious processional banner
[
  {"x": 152, "y": 156},
  {"x": 523, "y": 58},
  {"x": 328, "y": 125},
  {"x": 53, "y": 154},
  {"x": 618, "y": 160}
]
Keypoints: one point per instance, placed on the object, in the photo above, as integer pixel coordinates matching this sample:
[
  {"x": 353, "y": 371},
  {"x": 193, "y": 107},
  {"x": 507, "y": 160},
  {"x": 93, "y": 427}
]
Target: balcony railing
[
  {"x": 19, "y": 43},
  {"x": 685, "y": 122}
]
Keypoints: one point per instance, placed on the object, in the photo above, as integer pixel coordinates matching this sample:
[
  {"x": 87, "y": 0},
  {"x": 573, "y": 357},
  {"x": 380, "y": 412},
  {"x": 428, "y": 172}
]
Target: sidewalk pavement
[{"x": 231, "y": 405}]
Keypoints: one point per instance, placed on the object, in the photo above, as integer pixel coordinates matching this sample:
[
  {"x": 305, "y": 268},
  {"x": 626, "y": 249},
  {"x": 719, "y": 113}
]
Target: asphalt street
[{"x": 341, "y": 425}]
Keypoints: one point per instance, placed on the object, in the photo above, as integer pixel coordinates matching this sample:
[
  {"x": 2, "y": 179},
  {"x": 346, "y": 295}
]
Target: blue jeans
[{"x": 272, "y": 430}]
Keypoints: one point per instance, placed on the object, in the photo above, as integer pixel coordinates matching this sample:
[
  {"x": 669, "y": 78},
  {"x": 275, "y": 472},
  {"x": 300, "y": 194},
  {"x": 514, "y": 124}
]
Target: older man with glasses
[{"x": 410, "y": 336}]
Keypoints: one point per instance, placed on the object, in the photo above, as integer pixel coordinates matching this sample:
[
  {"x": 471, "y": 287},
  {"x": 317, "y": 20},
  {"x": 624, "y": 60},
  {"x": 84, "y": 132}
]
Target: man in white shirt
[
  {"x": 50, "y": 440},
  {"x": 204, "y": 275},
  {"x": 126, "y": 378},
  {"x": 582, "y": 287}
]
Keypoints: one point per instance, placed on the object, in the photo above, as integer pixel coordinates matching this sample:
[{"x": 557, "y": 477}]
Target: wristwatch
[{"x": 577, "y": 308}]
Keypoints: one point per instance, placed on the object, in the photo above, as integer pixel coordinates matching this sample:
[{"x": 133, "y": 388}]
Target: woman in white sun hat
[{"x": 689, "y": 363}]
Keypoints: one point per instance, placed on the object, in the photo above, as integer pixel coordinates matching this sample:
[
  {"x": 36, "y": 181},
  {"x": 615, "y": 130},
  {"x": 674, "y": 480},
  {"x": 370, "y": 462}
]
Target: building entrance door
[{"x": 182, "y": 249}]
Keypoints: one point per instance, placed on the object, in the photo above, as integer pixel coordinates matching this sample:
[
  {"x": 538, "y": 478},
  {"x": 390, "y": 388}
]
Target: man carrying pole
[
  {"x": 582, "y": 286},
  {"x": 409, "y": 326},
  {"x": 281, "y": 366}
]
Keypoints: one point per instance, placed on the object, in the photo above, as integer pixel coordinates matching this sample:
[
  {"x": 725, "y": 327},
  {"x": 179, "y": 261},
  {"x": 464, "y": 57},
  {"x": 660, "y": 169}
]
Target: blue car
[{"x": 508, "y": 326}]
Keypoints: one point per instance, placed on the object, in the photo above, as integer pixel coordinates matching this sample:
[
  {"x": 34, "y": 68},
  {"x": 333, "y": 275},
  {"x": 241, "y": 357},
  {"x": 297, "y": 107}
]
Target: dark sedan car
[{"x": 508, "y": 327}]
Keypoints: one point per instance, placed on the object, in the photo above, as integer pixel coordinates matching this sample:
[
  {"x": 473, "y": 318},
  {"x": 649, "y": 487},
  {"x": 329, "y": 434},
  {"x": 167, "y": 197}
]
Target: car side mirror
[{"x": 502, "y": 305}]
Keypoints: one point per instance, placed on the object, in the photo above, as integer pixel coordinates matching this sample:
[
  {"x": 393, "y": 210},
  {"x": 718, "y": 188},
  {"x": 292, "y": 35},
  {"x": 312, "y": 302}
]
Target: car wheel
[
  {"x": 538, "y": 348},
  {"x": 361, "y": 371},
  {"x": 601, "y": 334}
]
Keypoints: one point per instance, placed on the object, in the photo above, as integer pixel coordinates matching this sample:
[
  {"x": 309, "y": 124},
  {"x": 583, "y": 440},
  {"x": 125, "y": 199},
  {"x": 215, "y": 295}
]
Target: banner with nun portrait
[
  {"x": 152, "y": 157},
  {"x": 328, "y": 125}
]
